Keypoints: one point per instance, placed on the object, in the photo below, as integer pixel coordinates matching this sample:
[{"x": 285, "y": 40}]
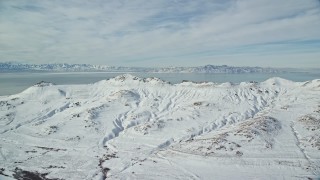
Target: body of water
[{"x": 12, "y": 83}]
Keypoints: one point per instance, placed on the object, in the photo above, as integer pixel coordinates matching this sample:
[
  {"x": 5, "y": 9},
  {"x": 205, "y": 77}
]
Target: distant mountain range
[{"x": 18, "y": 67}]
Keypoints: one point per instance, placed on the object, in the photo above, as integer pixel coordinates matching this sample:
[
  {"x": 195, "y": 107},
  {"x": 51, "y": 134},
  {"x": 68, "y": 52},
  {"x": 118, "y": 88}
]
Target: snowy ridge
[{"x": 145, "y": 128}]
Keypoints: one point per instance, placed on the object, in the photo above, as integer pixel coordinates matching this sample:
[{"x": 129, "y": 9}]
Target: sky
[{"x": 160, "y": 33}]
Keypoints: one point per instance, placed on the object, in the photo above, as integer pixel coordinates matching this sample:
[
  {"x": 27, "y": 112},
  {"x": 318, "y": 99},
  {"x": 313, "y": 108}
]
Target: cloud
[{"x": 148, "y": 33}]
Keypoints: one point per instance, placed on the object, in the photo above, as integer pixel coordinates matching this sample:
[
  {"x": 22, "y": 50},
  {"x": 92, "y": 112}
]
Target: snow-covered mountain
[
  {"x": 218, "y": 69},
  {"x": 133, "y": 128},
  {"x": 17, "y": 67},
  {"x": 50, "y": 67}
]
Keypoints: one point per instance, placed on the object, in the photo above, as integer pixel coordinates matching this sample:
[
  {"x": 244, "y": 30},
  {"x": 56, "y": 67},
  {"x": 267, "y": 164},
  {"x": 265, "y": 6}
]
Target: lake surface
[{"x": 12, "y": 83}]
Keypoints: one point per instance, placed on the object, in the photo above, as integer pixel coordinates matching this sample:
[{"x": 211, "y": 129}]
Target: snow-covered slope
[{"x": 132, "y": 128}]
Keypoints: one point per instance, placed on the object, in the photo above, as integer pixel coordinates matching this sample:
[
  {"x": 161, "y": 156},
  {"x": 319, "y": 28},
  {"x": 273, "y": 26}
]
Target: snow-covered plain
[{"x": 132, "y": 128}]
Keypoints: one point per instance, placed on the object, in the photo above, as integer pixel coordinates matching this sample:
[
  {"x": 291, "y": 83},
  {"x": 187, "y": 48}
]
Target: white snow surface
[{"x": 133, "y": 128}]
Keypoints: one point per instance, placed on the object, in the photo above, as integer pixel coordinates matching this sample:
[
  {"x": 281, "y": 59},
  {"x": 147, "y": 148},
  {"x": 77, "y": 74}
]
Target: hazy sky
[{"x": 277, "y": 33}]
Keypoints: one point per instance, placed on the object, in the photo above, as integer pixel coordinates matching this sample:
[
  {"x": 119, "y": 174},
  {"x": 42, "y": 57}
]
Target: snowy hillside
[{"x": 132, "y": 128}]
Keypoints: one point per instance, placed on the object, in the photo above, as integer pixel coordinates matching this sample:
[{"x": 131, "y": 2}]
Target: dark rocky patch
[
  {"x": 5, "y": 105},
  {"x": 21, "y": 174},
  {"x": 51, "y": 167},
  {"x": 238, "y": 153},
  {"x": 43, "y": 84},
  {"x": 32, "y": 151},
  {"x": 1, "y": 172},
  {"x": 50, "y": 149}
]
